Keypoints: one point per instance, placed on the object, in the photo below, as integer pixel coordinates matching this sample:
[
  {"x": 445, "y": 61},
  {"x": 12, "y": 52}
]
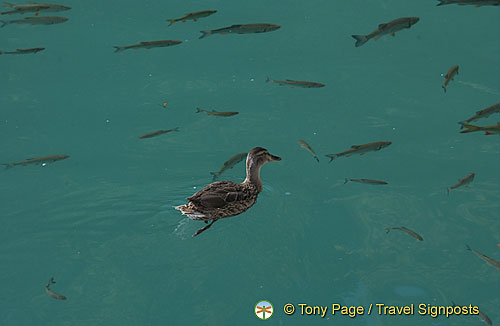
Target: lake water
[{"x": 102, "y": 222}]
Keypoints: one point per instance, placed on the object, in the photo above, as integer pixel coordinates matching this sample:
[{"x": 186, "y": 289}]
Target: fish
[
  {"x": 465, "y": 181},
  {"x": 488, "y": 130},
  {"x": 33, "y": 7},
  {"x": 192, "y": 16},
  {"x": 51, "y": 293},
  {"x": 387, "y": 28},
  {"x": 157, "y": 133},
  {"x": 369, "y": 181},
  {"x": 45, "y": 20},
  {"x": 477, "y": 3},
  {"x": 488, "y": 260},
  {"x": 217, "y": 114},
  {"x": 481, "y": 314},
  {"x": 23, "y": 51},
  {"x": 241, "y": 29},
  {"x": 297, "y": 83},
  {"x": 484, "y": 113},
  {"x": 449, "y": 76},
  {"x": 305, "y": 145},
  {"x": 41, "y": 160},
  {"x": 148, "y": 45},
  {"x": 229, "y": 164},
  {"x": 360, "y": 149},
  {"x": 402, "y": 228}
]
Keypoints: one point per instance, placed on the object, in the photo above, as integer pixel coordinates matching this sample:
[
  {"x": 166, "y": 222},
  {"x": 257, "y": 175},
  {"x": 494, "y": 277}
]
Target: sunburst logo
[{"x": 264, "y": 309}]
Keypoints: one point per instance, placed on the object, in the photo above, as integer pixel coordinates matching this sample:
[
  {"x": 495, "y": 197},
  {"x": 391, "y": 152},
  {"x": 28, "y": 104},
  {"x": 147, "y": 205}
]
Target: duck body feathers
[{"x": 220, "y": 199}]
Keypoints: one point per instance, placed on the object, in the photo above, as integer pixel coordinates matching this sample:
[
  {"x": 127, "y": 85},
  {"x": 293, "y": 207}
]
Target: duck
[{"x": 223, "y": 199}]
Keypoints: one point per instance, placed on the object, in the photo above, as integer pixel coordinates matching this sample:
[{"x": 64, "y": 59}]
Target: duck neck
[{"x": 253, "y": 174}]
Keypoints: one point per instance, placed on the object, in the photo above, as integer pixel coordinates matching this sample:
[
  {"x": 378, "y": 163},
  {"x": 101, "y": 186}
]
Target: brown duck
[{"x": 226, "y": 198}]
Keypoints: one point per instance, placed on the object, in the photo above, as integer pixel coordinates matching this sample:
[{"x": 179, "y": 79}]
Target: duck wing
[{"x": 219, "y": 194}]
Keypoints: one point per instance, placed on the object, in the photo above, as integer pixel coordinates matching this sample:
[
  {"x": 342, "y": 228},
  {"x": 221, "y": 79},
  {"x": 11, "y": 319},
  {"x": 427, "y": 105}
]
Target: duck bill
[{"x": 273, "y": 158}]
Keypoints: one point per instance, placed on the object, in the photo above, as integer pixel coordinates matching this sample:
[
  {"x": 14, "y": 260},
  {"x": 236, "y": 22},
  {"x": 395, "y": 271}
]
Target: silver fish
[
  {"x": 369, "y": 181},
  {"x": 33, "y": 7},
  {"x": 402, "y": 228},
  {"x": 217, "y": 113},
  {"x": 387, "y": 28},
  {"x": 305, "y": 145},
  {"x": 477, "y": 3},
  {"x": 465, "y": 181},
  {"x": 360, "y": 149},
  {"x": 295, "y": 83},
  {"x": 23, "y": 51},
  {"x": 157, "y": 133},
  {"x": 242, "y": 29},
  {"x": 450, "y": 75},
  {"x": 488, "y": 260},
  {"x": 148, "y": 45},
  {"x": 38, "y": 160},
  {"x": 51, "y": 293},
  {"x": 484, "y": 113},
  {"x": 194, "y": 16},
  {"x": 45, "y": 20},
  {"x": 229, "y": 164},
  {"x": 488, "y": 130}
]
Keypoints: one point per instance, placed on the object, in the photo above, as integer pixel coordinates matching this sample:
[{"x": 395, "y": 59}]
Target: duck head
[{"x": 256, "y": 158}]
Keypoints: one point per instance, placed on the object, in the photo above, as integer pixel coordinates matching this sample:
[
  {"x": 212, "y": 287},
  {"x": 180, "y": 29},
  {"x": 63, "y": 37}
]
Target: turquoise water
[{"x": 102, "y": 222}]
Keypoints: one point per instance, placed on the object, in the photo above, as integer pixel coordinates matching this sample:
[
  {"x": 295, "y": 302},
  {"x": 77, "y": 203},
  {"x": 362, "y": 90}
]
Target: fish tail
[
  {"x": 317, "y": 159},
  {"x": 441, "y": 2},
  {"x": 8, "y": 165},
  {"x": 205, "y": 34},
  {"x": 119, "y": 48},
  {"x": 387, "y": 230},
  {"x": 198, "y": 110},
  {"x": 488, "y": 133},
  {"x": 171, "y": 21},
  {"x": 448, "y": 190},
  {"x": 8, "y": 5},
  {"x": 268, "y": 80},
  {"x": 444, "y": 88},
  {"x": 346, "y": 181},
  {"x": 470, "y": 128},
  {"x": 3, "y": 23},
  {"x": 360, "y": 40},
  {"x": 175, "y": 129},
  {"x": 468, "y": 248},
  {"x": 332, "y": 157},
  {"x": 215, "y": 174}
]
